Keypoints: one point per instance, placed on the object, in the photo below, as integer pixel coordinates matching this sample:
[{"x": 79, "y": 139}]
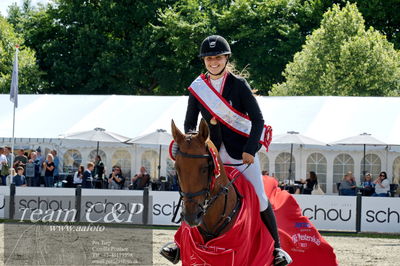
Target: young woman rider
[{"x": 226, "y": 129}]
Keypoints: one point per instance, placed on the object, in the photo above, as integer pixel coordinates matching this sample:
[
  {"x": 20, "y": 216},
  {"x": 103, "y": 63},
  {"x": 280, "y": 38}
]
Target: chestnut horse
[{"x": 210, "y": 202}]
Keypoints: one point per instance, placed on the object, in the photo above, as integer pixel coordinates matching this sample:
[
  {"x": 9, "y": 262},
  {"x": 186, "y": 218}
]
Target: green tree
[
  {"x": 343, "y": 58},
  {"x": 96, "y": 47},
  {"x": 263, "y": 35},
  {"x": 29, "y": 75}
]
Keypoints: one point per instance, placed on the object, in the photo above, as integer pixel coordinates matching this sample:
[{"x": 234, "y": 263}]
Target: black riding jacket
[{"x": 238, "y": 93}]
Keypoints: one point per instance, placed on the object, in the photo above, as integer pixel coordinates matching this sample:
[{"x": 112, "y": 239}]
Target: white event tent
[{"x": 42, "y": 119}]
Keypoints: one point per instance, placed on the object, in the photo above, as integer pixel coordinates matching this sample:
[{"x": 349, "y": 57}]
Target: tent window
[
  {"x": 342, "y": 164},
  {"x": 72, "y": 160},
  {"x": 317, "y": 163},
  {"x": 372, "y": 165},
  {"x": 396, "y": 171},
  {"x": 150, "y": 162},
  {"x": 282, "y": 163},
  {"x": 264, "y": 161},
  {"x": 93, "y": 153},
  {"x": 122, "y": 158}
]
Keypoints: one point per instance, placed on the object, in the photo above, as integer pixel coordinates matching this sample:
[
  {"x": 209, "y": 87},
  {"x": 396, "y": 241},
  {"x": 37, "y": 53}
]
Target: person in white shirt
[
  {"x": 3, "y": 164},
  {"x": 78, "y": 176},
  {"x": 382, "y": 186}
]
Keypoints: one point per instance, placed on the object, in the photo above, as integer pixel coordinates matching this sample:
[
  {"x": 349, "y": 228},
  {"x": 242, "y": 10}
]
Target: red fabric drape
[
  {"x": 298, "y": 236},
  {"x": 249, "y": 243}
]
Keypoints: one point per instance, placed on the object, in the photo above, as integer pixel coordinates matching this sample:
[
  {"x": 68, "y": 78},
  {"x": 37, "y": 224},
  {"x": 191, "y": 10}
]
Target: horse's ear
[
  {"x": 176, "y": 133},
  {"x": 204, "y": 131}
]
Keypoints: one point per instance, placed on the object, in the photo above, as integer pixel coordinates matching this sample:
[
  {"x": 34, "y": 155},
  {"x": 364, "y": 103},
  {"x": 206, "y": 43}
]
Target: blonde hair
[
  {"x": 51, "y": 156},
  {"x": 244, "y": 73}
]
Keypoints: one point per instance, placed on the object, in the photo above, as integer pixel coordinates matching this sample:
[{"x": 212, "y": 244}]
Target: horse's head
[{"x": 194, "y": 167}]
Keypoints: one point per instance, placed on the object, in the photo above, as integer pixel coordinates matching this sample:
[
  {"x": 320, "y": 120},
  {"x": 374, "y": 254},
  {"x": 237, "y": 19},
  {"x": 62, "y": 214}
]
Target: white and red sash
[{"x": 213, "y": 101}]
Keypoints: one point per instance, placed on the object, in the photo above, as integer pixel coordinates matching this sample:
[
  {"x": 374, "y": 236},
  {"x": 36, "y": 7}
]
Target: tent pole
[
  {"x": 364, "y": 172},
  {"x": 290, "y": 162},
  {"x": 159, "y": 163}
]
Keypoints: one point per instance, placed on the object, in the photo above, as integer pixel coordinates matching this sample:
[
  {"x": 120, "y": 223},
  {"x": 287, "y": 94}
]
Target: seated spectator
[
  {"x": 140, "y": 180},
  {"x": 116, "y": 179},
  {"x": 367, "y": 185},
  {"x": 78, "y": 176},
  {"x": 19, "y": 179},
  {"x": 310, "y": 183},
  {"x": 87, "y": 179},
  {"x": 348, "y": 185},
  {"x": 382, "y": 186}
]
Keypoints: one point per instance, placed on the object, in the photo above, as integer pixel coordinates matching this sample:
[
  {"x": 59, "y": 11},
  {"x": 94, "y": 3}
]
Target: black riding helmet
[{"x": 214, "y": 45}]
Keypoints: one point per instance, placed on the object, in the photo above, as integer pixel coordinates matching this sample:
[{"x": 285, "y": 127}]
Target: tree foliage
[
  {"x": 151, "y": 46},
  {"x": 29, "y": 74},
  {"x": 343, "y": 58}
]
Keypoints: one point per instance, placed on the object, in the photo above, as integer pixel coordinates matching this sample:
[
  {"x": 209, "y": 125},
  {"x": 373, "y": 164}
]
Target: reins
[{"x": 208, "y": 202}]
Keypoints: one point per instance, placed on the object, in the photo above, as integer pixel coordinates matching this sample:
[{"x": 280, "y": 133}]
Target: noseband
[
  {"x": 208, "y": 201},
  {"x": 206, "y": 191}
]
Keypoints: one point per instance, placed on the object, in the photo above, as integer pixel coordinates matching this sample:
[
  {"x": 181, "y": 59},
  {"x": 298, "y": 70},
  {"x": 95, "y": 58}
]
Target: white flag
[{"x": 14, "y": 81}]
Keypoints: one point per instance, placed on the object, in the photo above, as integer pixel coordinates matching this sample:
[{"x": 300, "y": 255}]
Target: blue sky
[{"x": 5, "y": 3}]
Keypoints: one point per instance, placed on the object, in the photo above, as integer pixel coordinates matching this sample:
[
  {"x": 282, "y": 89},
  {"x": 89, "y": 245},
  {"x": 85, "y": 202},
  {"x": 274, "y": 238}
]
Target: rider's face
[{"x": 215, "y": 64}]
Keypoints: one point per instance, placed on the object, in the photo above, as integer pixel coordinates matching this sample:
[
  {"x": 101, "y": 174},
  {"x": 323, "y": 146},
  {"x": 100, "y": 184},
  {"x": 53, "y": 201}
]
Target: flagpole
[
  {"x": 14, "y": 99},
  {"x": 13, "y": 139}
]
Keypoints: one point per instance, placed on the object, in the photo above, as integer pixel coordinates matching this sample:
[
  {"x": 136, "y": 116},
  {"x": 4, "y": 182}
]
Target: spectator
[
  {"x": 3, "y": 166},
  {"x": 139, "y": 181},
  {"x": 310, "y": 183},
  {"x": 9, "y": 155},
  {"x": 87, "y": 179},
  {"x": 382, "y": 186},
  {"x": 42, "y": 170},
  {"x": 30, "y": 170},
  {"x": 78, "y": 176},
  {"x": 56, "y": 174},
  {"x": 49, "y": 167},
  {"x": 21, "y": 159},
  {"x": 116, "y": 179},
  {"x": 10, "y": 176},
  {"x": 98, "y": 172},
  {"x": 19, "y": 179},
  {"x": 348, "y": 185},
  {"x": 367, "y": 185}
]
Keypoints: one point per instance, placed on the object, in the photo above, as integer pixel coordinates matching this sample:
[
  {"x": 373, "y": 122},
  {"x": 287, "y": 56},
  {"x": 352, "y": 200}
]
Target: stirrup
[
  {"x": 171, "y": 253},
  {"x": 282, "y": 258}
]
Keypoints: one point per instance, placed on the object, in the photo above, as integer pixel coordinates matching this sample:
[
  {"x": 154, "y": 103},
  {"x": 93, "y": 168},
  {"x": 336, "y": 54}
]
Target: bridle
[{"x": 209, "y": 200}]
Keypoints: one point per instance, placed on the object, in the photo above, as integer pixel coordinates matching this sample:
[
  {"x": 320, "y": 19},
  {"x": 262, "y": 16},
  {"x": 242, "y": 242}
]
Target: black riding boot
[
  {"x": 171, "y": 253},
  {"x": 268, "y": 217}
]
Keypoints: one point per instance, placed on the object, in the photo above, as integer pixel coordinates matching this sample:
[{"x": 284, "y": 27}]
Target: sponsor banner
[
  {"x": 380, "y": 215},
  {"x": 45, "y": 191},
  {"x": 329, "y": 212},
  {"x": 114, "y": 209},
  {"x": 45, "y": 208},
  {"x": 164, "y": 205},
  {"x": 97, "y": 206}
]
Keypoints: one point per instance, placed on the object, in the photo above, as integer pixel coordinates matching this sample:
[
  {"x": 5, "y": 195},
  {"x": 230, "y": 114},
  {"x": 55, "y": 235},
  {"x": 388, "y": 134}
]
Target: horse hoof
[
  {"x": 171, "y": 253},
  {"x": 282, "y": 258}
]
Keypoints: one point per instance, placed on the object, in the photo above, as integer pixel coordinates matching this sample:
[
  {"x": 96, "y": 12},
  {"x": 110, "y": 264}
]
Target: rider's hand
[{"x": 247, "y": 158}]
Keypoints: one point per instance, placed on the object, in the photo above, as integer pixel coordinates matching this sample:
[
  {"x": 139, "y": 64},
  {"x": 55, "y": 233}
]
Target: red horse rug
[{"x": 249, "y": 242}]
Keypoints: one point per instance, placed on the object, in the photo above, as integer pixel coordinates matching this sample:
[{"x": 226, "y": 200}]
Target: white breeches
[{"x": 252, "y": 174}]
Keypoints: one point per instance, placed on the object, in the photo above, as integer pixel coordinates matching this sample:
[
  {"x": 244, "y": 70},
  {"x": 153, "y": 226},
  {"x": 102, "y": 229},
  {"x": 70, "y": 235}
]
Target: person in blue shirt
[
  {"x": 19, "y": 179},
  {"x": 56, "y": 168},
  {"x": 367, "y": 185},
  {"x": 87, "y": 180}
]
